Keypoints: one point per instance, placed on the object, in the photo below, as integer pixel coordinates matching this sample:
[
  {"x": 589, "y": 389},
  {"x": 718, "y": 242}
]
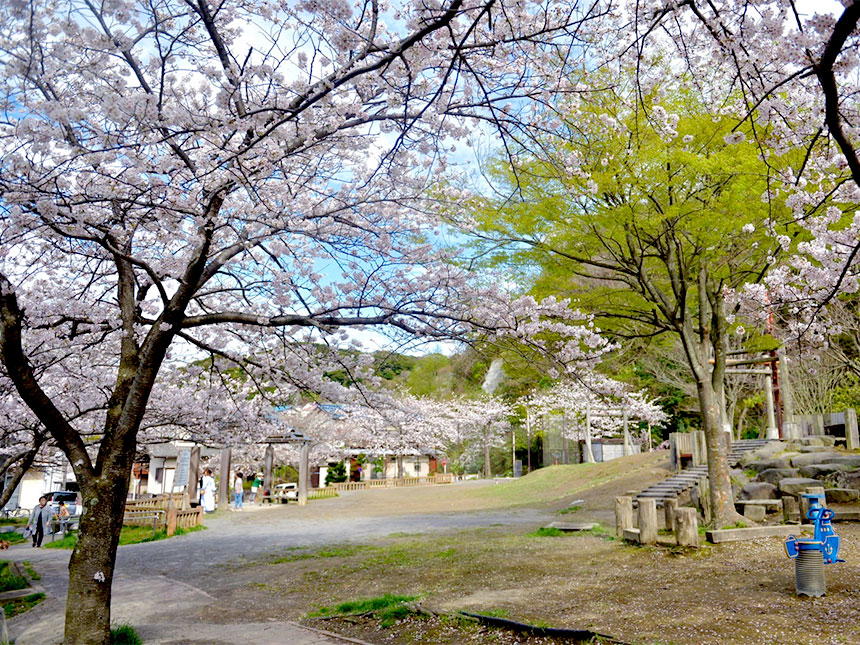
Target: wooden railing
[
  {"x": 443, "y": 478},
  {"x": 319, "y": 493},
  {"x": 183, "y": 519},
  {"x": 157, "y": 502}
]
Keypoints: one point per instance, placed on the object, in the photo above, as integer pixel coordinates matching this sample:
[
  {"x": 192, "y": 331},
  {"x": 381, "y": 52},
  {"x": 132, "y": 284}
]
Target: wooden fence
[
  {"x": 173, "y": 518},
  {"x": 156, "y": 502},
  {"x": 444, "y": 478}
]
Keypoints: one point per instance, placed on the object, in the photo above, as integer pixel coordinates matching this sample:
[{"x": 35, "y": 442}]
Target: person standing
[
  {"x": 63, "y": 516},
  {"x": 207, "y": 485},
  {"x": 238, "y": 492},
  {"x": 40, "y": 521},
  {"x": 255, "y": 486}
]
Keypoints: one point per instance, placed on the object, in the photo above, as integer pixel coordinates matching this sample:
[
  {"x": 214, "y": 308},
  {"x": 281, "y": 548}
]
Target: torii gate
[{"x": 293, "y": 436}]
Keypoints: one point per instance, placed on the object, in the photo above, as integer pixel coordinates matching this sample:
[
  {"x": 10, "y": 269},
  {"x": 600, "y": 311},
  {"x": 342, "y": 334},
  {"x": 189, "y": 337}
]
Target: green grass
[
  {"x": 21, "y": 521},
  {"x": 20, "y": 605},
  {"x": 124, "y": 635},
  {"x": 570, "y": 509},
  {"x": 547, "y": 531},
  {"x": 388, "y": 609},
  {"x": 128, "y": 535},
  {"x": 338, "y": 551},
  {"x": 10, "y": 581}
]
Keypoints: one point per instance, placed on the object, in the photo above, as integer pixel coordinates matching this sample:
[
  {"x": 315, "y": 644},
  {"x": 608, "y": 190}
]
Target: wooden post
[
  {"x": 588, "y": 455},
  {"x": 647, "y": 520},
  {"x": 623, "y": 515},
  {"x": 687, "y": 530},
  {"x": 670, "y": 507},
  {"x": 224, "y": 482},
  {"x": 627, "y": 449},
  {"x": 704, "y": 488},
  {"x": 171, "y": 522},
  {"x": 303, "y": 473},
  {"x": 268, "y": 462},
  {"x": 852, "y": 441}
]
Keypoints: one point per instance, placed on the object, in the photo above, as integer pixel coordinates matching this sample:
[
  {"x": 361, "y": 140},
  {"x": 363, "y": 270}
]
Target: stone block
[
  {"x": 815, "y": 471},
  {"x": 755, "y": 512},
  {"x": 852, "y": 461},
  {"x": 775, "y": 475},
  {"x": 796, "y": 485},
  {"x": 739, "y": 476},
  {"x": 812, "y": 441},
  {"x": 767, "y": 464},
  {"x": 841, "y": 495},
  {"x": 807, "y": 449},
  {"x": 758, "y": 490},
  {"x": 631, "y": 535},
  {"x": 755, "y": 532},
  {"x": 849, "y": 479},
  {"x": 813, "y": 458}
]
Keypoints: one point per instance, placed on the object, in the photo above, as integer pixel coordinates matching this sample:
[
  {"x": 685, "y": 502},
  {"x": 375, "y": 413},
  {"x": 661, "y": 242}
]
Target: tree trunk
[
  {"x": 91, "y": 567},
  {"x": 488, "y": 471},
  {"x": 722, "y": 499}
]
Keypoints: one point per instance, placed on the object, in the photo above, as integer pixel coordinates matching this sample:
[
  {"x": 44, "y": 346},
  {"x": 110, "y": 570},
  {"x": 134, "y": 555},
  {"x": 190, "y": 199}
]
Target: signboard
[{"x": 183, "y": 464}]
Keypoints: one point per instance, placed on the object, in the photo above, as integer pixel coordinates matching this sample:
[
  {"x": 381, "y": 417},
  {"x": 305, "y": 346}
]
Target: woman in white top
[{"x": 208, "y": 488}]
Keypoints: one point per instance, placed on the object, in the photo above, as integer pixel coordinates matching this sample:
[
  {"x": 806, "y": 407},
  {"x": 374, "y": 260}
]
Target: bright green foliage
[
  {"x": 388, "y": 608},
  {"x": 335, "y": 474},
  {"x": 124, "y": 635}
]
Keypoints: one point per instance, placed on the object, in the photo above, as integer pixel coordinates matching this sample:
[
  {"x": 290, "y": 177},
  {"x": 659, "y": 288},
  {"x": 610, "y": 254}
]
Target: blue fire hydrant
[{"x": 810, "y": 556}]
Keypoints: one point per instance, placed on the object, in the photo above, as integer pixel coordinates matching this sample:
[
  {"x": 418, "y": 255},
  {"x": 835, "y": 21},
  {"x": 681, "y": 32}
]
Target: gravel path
[{"x": 168, "y": 578}]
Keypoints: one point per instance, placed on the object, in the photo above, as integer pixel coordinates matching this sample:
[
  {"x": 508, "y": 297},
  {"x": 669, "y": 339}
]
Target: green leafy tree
[{"x": 646, "y": 210}]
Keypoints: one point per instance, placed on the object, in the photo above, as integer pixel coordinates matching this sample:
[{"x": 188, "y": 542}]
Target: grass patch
[
  {"x": 388, "y": 609},
  {"x": 20, "y": 605},
  {"x": 19, "y": 521},
  {"x": 736, "y": 525},
  {"x": 31, "y": 571},
  {"x": 13, "y": 538},
  {"x": 128, "y": 535},
  {"x": 10, "y": 581},
  {"x": 340, "y": 551},
  {"x": 124, "y": 635},
  {"x": 570, "y": 509},
  {"x": 547, "y": 531}
]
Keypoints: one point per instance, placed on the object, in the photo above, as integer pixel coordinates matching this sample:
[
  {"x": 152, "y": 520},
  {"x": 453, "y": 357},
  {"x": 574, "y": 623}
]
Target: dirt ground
[{"x": 729, "y": 593}]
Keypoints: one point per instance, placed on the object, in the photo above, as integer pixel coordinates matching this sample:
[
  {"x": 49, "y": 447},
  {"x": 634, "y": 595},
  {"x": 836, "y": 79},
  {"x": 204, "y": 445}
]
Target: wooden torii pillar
[{"x": 294, "y": 436}]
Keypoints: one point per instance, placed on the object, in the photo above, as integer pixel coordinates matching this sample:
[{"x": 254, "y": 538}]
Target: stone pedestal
[
  {"x": 687, "y": 531},
  {"x": 670, "y": 506},
  {"x": 647, "y": 521},
  {"x": 623, "y": 515},
  {"x": 852, "y": 442}
]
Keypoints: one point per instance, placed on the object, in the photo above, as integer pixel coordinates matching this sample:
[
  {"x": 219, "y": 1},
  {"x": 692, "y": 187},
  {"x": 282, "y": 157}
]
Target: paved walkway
[{"x": 159, "y": 586}]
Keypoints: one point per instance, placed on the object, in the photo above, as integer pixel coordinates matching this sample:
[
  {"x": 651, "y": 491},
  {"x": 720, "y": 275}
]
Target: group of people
[
  {"x": 207, "y": 490},
  {"x": 42, "y": 518}
]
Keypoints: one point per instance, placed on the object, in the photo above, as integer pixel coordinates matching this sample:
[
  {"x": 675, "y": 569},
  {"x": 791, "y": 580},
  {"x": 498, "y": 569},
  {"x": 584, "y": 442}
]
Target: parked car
[
  {"x": 287, "y": 492},
  {"x": 68, "y": 497}
]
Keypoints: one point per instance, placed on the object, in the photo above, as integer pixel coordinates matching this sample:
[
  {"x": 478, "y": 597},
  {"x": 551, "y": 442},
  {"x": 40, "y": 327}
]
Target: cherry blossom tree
[
  {"x": 231, "y": 175},
  {"x": 787, "y": 74},
  {"x": 482, "y": 423}
]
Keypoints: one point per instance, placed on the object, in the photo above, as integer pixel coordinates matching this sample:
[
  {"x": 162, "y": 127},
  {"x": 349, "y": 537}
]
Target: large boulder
[
  {"x": 815, "y": 449},
  {"x": 813, "y": 458},
  {"x": 821, "y": 470},
  {"x": 755, "y": 513},
  {"x": 758, "y": 490},
  {"x": 797, "y": 485},
  {"x": 739, "y": 477},
  {"x": 775, "y": 475},
  {"x": 849, "y": 479},
  {"x": 841, "y": 495},
  {"x": 765, "y": 464},
  {"x": 812, "y": 441},
  {"x": 851, "y": 461},
  {"x": 767, "y": 451}
]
